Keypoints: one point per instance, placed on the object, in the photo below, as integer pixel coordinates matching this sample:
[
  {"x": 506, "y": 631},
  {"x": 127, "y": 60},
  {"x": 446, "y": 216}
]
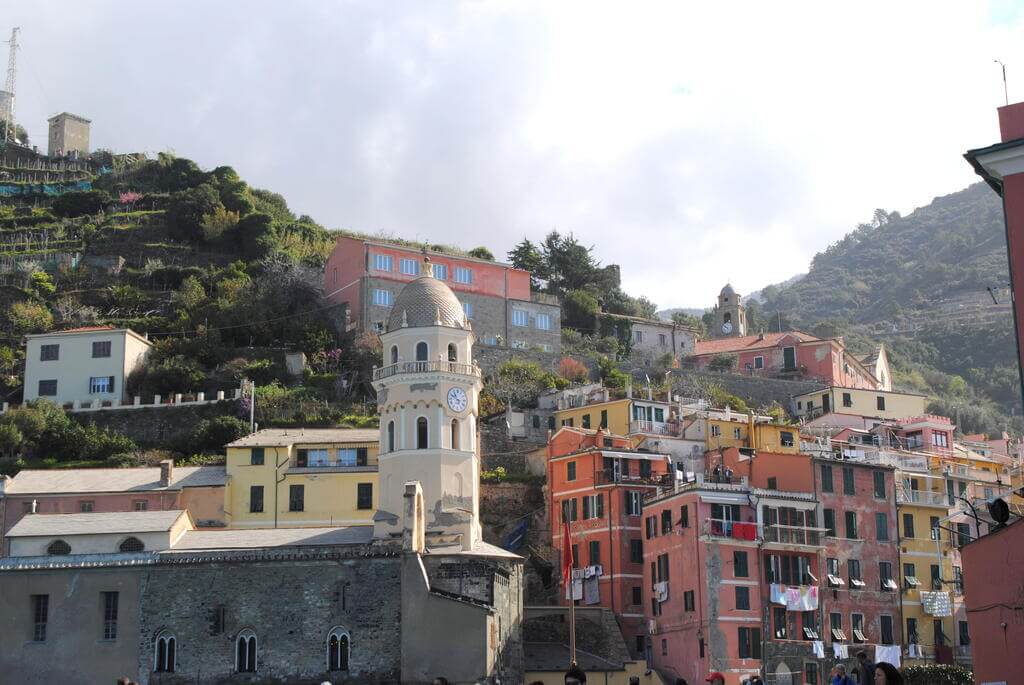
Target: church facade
[{"x": 416, "y": 596}]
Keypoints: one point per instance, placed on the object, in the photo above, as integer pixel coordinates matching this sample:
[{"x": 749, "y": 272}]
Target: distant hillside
[
  {"x": 919, "y": 283},
  {"x": 666, "y": 314}
]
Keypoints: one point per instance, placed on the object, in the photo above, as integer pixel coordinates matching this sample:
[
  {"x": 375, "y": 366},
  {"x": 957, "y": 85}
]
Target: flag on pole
[{"x": 566, "y": 554}]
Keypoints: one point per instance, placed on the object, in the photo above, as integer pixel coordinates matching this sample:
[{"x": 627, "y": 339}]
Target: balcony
[
  {"x": 651, "y": 427},
  {"x": 923, "y": 497},
  {"x": 616, "y": 477},
  {"x": 426, "y": 367},
  {"x": 793, "y": 535},
  {"x": 732, "y": 530},
  {"x": 971, "y": 473}
]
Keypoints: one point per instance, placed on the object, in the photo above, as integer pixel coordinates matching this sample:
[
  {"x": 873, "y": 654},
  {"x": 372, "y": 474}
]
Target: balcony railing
[
  {"x": 613, "y": 477},
  {"x": 793, "y": 535},
  {"x": 925, "y": 497},
  {"x": 652, "y": 427},
  {"x": 736, "y": 530},
  {"x": 424, "y": 367},
  {"x": 333, "y": 464}
]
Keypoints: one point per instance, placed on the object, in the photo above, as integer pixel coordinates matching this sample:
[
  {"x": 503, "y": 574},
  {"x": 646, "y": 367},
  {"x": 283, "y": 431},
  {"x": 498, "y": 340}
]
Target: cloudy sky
[{"x": 689, "y": 142}]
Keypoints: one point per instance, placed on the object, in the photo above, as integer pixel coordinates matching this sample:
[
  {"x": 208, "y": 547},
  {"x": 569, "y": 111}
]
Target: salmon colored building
[
  {"x": 994, "y": 594},
  {"x": 790, "y": 354},
  {"x": 597, "y": 482},
  {"x": 366, "y": 276}
]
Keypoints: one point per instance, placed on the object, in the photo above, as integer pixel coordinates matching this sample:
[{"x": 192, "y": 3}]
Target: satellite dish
[{"x": 999, "y": 511}]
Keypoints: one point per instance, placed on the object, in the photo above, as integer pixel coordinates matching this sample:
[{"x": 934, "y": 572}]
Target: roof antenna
[{"x": 1006, "y": 95}]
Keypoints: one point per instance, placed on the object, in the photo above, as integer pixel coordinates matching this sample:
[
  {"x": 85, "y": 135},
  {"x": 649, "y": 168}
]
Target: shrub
[
  {"x": 80, "y": 202},
  {"x": 573, "y": 371},
  {"x": 213, "y": 434},
  {"x": 722, "y": 362},
  {"x": 610, "y": 374},
  {"x": 937, "y": 674},
  {"x": 186, "y": 210},
  {"x": 29, "y": 317}
]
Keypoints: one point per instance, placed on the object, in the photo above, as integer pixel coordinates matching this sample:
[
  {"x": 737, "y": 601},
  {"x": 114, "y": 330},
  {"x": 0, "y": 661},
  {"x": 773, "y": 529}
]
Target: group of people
[{"x": 868, "y": 673}]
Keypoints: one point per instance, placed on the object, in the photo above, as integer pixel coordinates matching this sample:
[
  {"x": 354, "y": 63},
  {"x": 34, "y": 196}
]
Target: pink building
[
  {"x": 791, "y": 354},
  {"x": 197, "y": 489}
]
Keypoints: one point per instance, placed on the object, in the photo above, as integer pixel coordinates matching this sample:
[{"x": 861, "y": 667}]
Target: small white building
[{"x": 82, "y": 364}]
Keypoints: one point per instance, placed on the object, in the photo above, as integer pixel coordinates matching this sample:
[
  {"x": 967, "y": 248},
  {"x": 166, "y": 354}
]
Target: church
[{"x": 417, "y": 595}]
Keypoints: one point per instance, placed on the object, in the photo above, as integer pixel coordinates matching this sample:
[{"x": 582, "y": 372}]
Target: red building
[
  {"x": 790, "y": 354},
  {"x": 366, "y": 276},
  {"x": 597, "y": 482},
  {"x": 1002, "y": 167},
  {"x": 994, "y": 594}
]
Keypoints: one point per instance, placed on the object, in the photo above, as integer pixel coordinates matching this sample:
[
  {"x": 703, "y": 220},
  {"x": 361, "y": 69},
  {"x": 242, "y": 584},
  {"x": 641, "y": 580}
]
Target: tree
[
  {"x": 573, "y": 371},
  {"x": 571, "y": 266},
  {"x": 186, "y": 209},
  {"x": 528, "y": 257},
  {"x": 234, "y": 193},
  {"x": 722, "y": 362},
  {"x": 481, "y": 253},
  {"x": 579, "y": 308},
  {"x": 221, "y": 222},
  {"x": 80, "y": 202},
  {"x": 20, "y": 134},
  {"x": 256, "y": 236},
  {"x": 645, "y": 308},
  {"x": 41, "y": 284},
  {"x": 213, "y": 434},
  {"x": 29, "y": 317}
]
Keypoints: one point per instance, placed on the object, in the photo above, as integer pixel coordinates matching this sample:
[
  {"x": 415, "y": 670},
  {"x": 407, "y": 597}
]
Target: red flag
[{"x": 566, "y": 554}]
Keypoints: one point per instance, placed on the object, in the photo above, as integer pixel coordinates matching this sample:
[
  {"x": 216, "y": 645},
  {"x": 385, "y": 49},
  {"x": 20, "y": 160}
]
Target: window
[
  {"x": 885, "y": 627},
  {"x": 594, "y": 550},
  {"x": 786, "y": 438},
  {"x": 666, "y": 521},
  {"x": 638, "y": 337},
  {"x": 740, "y": 568},
  {"x": 879, "y": 484},
  {"x": 382, "y": 262},
  {"x": 463, "y": 274},
  {"x": 758, "y": 362},
  {"x": 880, "y": 403},
  {"x": 570, "y": 470},
  {"x": 337, "y": 650},
  {"x": 963, "y": 632},
  {"x": 49, "y": 353},
  {"x": 847, "y": 400},
  {"x": 835, "y": 621},
  {"x": 885, "y": 579},
  {"x": 662, "y": 567},
  {"x": 912, "y": 636},
  {"x": 736, "y": 433},
  {"x": 140, "y": 505},
  {"x": 101, "y": 385},
  {"x": 662, "y": 340},
  {"x": 382, "y": 297},
  {"x": 743, "y": 597},
  {"x": 810, "y": 624},
  {"x": 256, "y": 456},
  {"x": 409, "y": 267},
  {"x": 346, "y": 457},
  {"x": 633, "y": 498},
  {"x": 593, "y": 506},
  {"x": 100, "y": 349},
  {"x": 715, "y": 430},
  {"x": 857, "y": 627},
  {"x": 467, "y": 309},
  {"x": 750, "y": 643},
  {"x": 109, "y": 615},
  {"x": 664, "y": 647},
  {"x": 936, "y": 577},
  {"x": 85, "y": 506},
  {"x": 604, "y": 418},
  {"x": 296, "y": 498},
  {"x": 830, "y": 521},
  {"x": 586, "y": 420},
  {"x": 520, "y": 317},
  {"x": 779, "y": 623},
  {"x": 910, "y": 576},
  {"x": 441, "y": 272},
  {"x": 826, "y": 478},
  {"x": 48, "y": 388},
  {"x": 688, "y": 603},
  {"x": 637, "y": 595},
  {"x": 848, "y": 483},
  {"x": 246, "y": 652},
  {"x": 853, "y": 570},
  {"x": 773, "y": 483},
  {"x": 40, "y": 614},
  {"x": 636, "y": 551},
  {"x": 940, "y": 439},
  {"x": 569, "y": 512},
  {"x": 58, "y": 548},
  {"x": 164, "y": 654},
  {"x": 422, "y": 433},
  {"x": 364, "y": 496},
  {"x": 810, "y": 673},
  {"x": 832, "y": 572},
  {"x": 882, "y": 527},
  {"x": 543, "y": 322},
  {"x": 684, "y": 516},
  {"x": 851, "y": 525},
  {"x": 131, "y": 544},
  {"x": 908, "y": 525},
  {"x": 391, "y": 436}
]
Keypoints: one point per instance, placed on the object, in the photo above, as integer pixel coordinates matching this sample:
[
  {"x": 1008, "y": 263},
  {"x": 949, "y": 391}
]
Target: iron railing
[{"x": 424, "y": 367}]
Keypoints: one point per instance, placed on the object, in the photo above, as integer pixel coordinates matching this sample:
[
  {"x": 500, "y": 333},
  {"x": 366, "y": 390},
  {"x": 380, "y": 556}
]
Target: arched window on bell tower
[
  {"x": 455, "y": 434},
  {"x": 421, "y": 433},
  {"x": 453, "y": 352},
  {"x": 421, "y": 351},
  {"x": 727, "y": 318},
  {"x": 391, "y": 436},
  {"x": 394, "y": 354}
]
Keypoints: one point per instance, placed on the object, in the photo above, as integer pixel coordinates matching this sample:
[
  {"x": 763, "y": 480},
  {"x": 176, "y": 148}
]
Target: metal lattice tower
[{"x": 10, "y": 128}]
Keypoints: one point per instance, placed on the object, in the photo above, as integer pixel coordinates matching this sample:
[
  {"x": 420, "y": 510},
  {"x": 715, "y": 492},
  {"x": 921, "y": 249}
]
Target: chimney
[
  {"x": 1011, "y": 121},
  {"x": 166, "y": 472},
  {"x": 629, "y": 386}
]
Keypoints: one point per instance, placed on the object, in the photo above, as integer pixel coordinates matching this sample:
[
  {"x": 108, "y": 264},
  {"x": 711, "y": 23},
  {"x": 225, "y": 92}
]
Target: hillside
[{"x": 920, "y": 284}]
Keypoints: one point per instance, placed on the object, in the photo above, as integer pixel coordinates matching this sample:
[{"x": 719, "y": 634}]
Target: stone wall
[
  {"x": 756, "y": 391},
  {"x": 163, "y": 427}
]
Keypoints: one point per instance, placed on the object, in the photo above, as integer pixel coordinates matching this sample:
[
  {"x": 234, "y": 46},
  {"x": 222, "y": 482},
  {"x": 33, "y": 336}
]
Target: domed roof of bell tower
[{"x": 426, "y": 302}]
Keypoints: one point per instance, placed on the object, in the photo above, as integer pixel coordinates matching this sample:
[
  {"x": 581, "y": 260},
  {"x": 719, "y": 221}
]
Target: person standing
[
  {"x": 839, "y": 676},
  {"x": 865, "y": 668}
]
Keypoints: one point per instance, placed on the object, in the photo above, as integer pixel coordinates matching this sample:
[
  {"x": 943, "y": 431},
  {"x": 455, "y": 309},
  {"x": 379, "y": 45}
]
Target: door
[
  {"x": 826, "y": 404},
  {"x": 789, "y": 358}
]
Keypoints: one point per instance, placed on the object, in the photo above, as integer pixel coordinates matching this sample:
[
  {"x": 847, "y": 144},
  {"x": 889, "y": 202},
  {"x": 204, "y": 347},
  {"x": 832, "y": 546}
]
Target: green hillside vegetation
[{"x": 919, "y": 284}]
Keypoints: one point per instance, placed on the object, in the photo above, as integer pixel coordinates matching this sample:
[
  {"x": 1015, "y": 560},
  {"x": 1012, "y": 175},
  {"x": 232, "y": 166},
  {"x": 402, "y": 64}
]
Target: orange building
[{"x": 597, "y": 482}]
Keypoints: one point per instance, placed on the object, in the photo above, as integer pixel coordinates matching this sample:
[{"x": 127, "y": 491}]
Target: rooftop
[
  {"x": 426, "y": 302},
  {"x": 261, "y": 538},
  {"x": 750, "y": 342},
  {"x": 91, "y": 329},
  {"x": 283, "y": 437},
  {"x": 61, "y": 525},
  {"x": 66, "y": 481}
]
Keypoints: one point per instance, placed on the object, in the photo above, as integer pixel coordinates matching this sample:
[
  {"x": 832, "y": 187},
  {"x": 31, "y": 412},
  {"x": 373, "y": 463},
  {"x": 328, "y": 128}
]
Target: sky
[{"x": 690, "y": 143}]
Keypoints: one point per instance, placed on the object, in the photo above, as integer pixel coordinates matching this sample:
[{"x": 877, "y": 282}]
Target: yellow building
[
  {"x": 882, "y": 404},
  {"x": 622, "y": 417},
  {"x": 297, "y": 477},
  {"x": 743, "y": 430}
]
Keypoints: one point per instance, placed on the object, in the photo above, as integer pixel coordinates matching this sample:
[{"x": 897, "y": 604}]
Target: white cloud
[{"x": 689, "y": 143}]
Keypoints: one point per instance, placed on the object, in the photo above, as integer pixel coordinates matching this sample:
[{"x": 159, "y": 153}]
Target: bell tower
[
  {"x": 427, "y": 398},
  {"x": 730, "y": 314}
]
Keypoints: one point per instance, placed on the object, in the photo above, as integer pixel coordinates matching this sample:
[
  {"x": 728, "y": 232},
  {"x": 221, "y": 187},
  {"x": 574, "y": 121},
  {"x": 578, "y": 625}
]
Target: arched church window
[
  {"x": 337, "y": 650},
  {"x": 391, "y": 436},
  {"x": 58, "y": 547},
  {"x": 132, "y": 544},
  {"x": 421, "y": 351},
  {"x": 245, "y": 657},
  {"x": 453, "y": 353},
  {"x": 394, "y": 354},
  {"x": 727, "y": 318},
  {"x": 165, "y": 657},
  {"x": 455, "y": 434},
  {"x": 421, "y": 433}
]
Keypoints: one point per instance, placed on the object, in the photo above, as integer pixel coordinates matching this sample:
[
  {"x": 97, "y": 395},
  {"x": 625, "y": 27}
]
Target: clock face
[
  {"x": 457, "y": 399},
  {"x": 727, "y": 327}
]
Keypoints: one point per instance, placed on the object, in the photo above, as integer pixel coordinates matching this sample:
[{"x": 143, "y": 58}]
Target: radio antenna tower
[{"x": 10, "y": 128}]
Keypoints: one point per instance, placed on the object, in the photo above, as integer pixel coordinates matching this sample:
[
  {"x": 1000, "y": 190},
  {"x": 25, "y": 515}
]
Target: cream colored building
[
  {"x": 41, "y": 535},
  {"x": 858, "y": 402},
  {"x": 83, "y": 365}
]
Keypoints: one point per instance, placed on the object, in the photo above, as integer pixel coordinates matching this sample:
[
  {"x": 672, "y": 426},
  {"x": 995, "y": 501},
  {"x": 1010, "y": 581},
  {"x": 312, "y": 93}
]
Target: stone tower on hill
[{"x": 730, "y": 314}]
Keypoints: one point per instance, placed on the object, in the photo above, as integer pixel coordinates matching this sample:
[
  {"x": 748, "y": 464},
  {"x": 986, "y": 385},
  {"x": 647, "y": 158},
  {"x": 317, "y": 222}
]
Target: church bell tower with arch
[
  {"x": 428, "y": 391},
  {"x": 730, "y": 314}
]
